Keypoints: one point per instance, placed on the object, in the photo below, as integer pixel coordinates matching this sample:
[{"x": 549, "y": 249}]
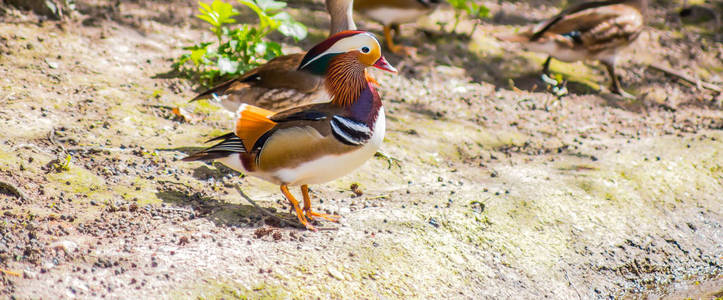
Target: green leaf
[
  {"x": 267, "y": 22},
  {"x": 270, "y": 5},
  {"x": 208, "y": 14},
  {"x": 293, "y": 29},
  {"x": 226, "y": 66},
  {"x": 236, "y": 50},
  {"x": 272, "y": 50},
  {"x": 204, "y": 7},
  {"x": 260, "y": 49},
  {"x": 252, "y": 5},
  {"x": 458, "y": 4},
  {"x": 198, "y": 46},
  {"x": 224, "y": 11},
  {"x": 479, "y": 11},
  {"x": 197, "y": 56},
  {"x": 208, "y": 19}
]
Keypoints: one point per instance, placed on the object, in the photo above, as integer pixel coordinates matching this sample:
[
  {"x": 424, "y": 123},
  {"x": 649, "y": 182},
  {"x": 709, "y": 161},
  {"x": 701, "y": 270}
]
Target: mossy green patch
[
  {"x": 213, "y": 289},
  {"x": 576, "y": 72},
  {"x": 78, "y": 180},
  {"x": 8, "y": 160},
  {"x": 206, "y": 107},
  {"x": 143, "y": 192},
  {"x": 484, "y": 45}
]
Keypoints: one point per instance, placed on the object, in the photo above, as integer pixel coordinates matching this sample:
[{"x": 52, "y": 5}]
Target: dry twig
[
  {"x": 13, "y": 190},
  {"x": 51, "y": 138},
  {"x": 699, "y": 83},
  {"x": 16, "y": 274}
]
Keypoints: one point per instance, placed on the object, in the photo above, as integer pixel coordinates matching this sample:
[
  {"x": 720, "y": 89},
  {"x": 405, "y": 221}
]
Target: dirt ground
[{"x": 501, "y": 190}]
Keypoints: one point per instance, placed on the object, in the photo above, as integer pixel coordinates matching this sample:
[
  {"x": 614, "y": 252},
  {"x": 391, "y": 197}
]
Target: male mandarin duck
[
  {"x": 314, "y": 143},
  {"x": 588, "y": 31},
  {"x": 279, "y": 84},
  {"x": 391, "y": 13}
]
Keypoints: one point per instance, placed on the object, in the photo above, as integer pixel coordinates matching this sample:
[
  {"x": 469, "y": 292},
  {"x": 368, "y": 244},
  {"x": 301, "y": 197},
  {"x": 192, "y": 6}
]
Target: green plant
[
  {"x": 62, "y": 165},
  {"x": 236, "y": 50},
  {"x": 472, "y": 9}
]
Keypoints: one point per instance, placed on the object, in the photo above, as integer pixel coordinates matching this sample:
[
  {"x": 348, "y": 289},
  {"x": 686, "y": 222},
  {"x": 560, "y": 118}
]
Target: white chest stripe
[
  {"x": 356, "y": 126},
  {"x": 343, "y": 135},
  {"x": 349, "y": 131}
]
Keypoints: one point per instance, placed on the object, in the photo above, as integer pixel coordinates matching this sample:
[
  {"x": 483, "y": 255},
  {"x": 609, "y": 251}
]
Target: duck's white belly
[
  {"x": 388, "y": 16},
  {"x": 331, "y": 167},
  {"x": 551, "y": 47}
]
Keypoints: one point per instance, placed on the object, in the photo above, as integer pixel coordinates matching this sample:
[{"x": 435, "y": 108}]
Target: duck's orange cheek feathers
[{"x": 371, "y": 79}]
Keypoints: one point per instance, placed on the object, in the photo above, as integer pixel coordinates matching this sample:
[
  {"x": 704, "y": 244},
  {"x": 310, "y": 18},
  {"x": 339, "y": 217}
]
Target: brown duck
[
  {"x": 594, "y": 30},
  {"x": 279, "y": 84},
  {"x": 314, "y": 143},
  {"x": 392, "y": 13}
]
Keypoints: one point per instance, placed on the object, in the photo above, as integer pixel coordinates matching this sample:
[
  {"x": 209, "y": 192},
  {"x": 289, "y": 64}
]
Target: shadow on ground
[{"x": 220, "y": 212}]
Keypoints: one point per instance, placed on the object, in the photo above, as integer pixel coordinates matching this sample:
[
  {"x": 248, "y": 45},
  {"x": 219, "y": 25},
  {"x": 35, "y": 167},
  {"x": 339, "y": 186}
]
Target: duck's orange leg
[
  {"x": 307, "y": 207},
  {"x": 396, "y": 49},
  {"x": 299, "y": 214}
]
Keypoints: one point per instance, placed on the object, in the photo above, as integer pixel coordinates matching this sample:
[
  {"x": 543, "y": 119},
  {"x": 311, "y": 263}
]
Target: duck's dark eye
[{"x": 365, "y": 49}]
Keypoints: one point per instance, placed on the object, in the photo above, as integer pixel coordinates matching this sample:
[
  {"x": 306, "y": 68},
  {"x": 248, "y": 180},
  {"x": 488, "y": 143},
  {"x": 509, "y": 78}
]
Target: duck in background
[
  {"x": 314, "y": 143},
  {"x": 594, "y": 30},
  {"x": 392, "y": 13},
  {"x": 280, "y": 84}
]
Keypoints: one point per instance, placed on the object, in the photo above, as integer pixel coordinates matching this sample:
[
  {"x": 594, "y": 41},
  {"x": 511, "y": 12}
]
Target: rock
[
  {"x": 52, "y": 64},
  {"x": 29, "y": 274},
  {"x": 335, "y": 273},
  {"x": 67, "y": 246}
]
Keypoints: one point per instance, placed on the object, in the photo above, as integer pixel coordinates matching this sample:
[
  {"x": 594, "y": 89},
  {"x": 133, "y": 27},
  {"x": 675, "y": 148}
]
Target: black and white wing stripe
[
  {"x": 429, "y": 3},
  {"x": 350, "y": 132}
]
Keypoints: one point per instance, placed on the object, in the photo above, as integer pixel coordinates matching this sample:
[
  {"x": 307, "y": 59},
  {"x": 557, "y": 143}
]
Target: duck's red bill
[{"x": 383, "y": 64}]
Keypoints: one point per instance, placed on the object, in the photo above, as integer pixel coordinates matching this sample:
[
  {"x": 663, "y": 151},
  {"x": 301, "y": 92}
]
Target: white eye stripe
[{"x": 345, "y": 44}]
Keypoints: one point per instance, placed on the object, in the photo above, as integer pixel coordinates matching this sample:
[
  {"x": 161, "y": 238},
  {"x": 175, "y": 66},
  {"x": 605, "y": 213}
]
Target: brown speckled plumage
[
  {"x": 594, "y": 30},
  {"x": 278, "y": 85}
]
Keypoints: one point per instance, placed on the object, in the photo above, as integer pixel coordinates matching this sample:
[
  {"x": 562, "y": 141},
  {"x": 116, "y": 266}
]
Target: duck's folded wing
[
  {"x": 274, "y": 85},
  {"x": 254, "y": 126},
  {"x": 596, "y": 28},
  {"x": 327, "y": 120},
  {"x": 306, "y": 133},
  {"x": 543, "y": 27}
]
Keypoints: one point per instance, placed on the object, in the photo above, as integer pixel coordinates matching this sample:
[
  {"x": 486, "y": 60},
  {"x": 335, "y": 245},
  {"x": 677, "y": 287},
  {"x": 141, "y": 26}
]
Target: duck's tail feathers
[
  {"x": 214, "y": 92},
  {"x": 230, "y": 144}
]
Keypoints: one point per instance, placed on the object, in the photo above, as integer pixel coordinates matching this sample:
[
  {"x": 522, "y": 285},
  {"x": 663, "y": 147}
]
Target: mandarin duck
[
  {"x": 280, "y": 84},
  {"x": 588, "y": 31},
  {"x": 313, "y": 143},
  {"x": 391, "y": 13}
]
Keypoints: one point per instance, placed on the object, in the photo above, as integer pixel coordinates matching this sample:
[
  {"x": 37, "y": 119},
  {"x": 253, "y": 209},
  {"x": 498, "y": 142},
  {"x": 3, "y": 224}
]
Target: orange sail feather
[{"x": 252, "y": 123}]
